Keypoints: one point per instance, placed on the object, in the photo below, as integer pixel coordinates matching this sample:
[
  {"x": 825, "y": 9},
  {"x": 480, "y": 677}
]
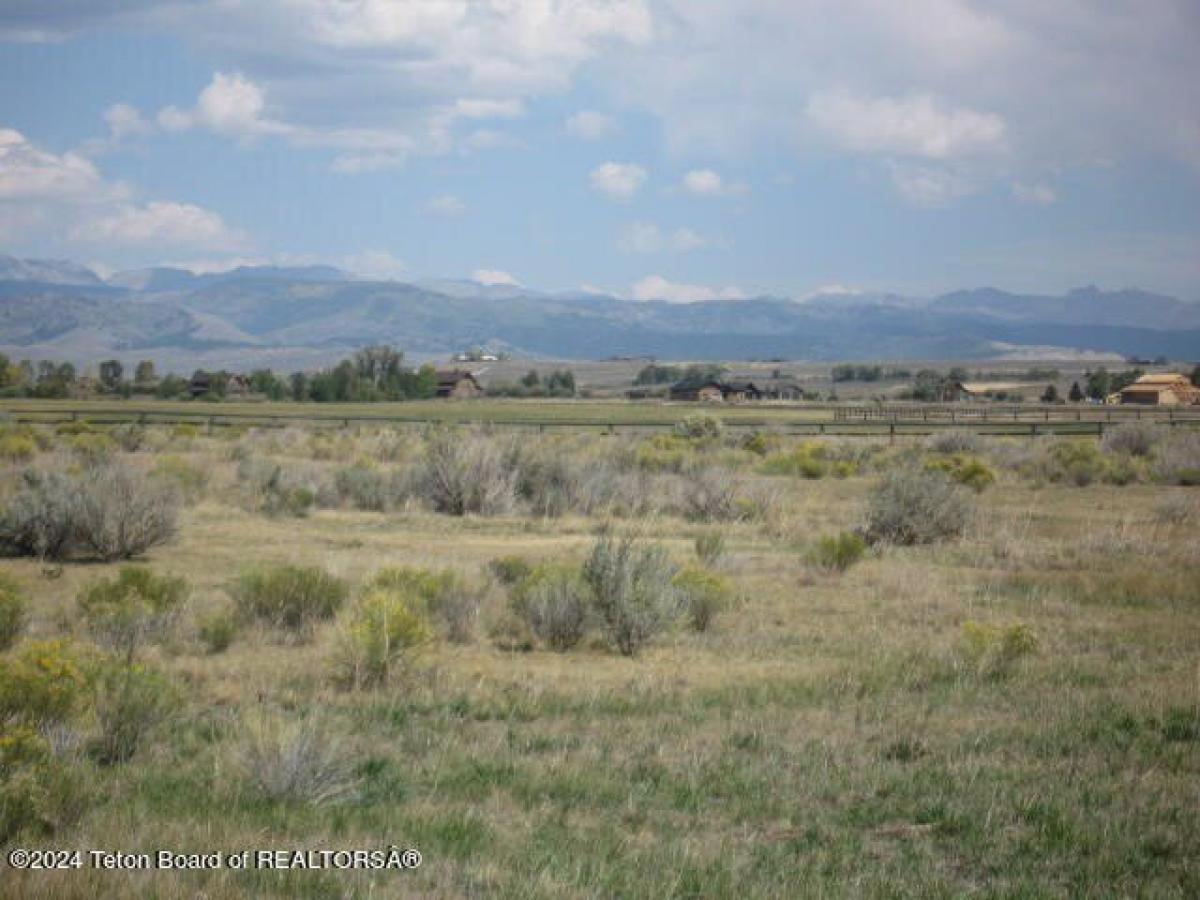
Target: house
[
  {"x": 203, "y": 383},
  {"x": 457, "y": 384},
  {"x": 716, "y": 391},
  {"x": 983, "y": 390},
  {"x": 703, "y": 391},
  {"x": 1162, "y": 389}
]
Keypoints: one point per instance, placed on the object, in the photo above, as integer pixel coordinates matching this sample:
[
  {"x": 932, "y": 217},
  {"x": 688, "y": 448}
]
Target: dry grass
[{"x": 826, "y": 735}]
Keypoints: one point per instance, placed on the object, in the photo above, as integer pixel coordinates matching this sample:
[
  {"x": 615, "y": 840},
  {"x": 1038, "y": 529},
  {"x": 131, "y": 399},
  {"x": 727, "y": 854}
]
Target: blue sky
[{"x": 655, "y": 149}]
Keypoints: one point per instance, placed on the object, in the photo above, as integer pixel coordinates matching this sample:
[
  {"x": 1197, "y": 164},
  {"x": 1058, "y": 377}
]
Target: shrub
[
  {"x": 135, "y": 606},
  {"x": 995, "y": 650},
  {"x": 188, "y": 479},
  {"x": 711, "y": 495},
  {"x": 510, "y": 570},
  {"x": 554, "y": 603},
  {"x": 954, "y": 440},
  {"x": 383, "y": 628},
  {"x": 969, "y": 471},
  {"x": 444, "y": 596},
  {"x": 465, "y": 472},
  {"x": 1178, "y": 459},
  {"x": 710, "y": 547},
  {"x": 699, "y": 427},
  {"x": 663, "y": 453},
  {"x": 186, "y": 431},
  {"x": 550, "y": 481},
  {"x": 299, "y": 761},
  {"x": 217, "y": 630},
  {"x": 41, "y": 683},
  {"x": 129, "y": 438},
  {"x": 363, "y": 488},
  {"x": 1177, "y": 509},
  {"x": 914, "y": 506},
  {"x": 703, "y": 595},
  {"x": 1077, "y": 462},
  {"x": 293, "y": 598},
  {"x": 1133, "y": 439},
  {"x": 92, "y": 448},
  {"x": 40, "y": 519},
  {"x": 13, "y": 611},
  {"x": 806, "y": 461},
  {"x": 837, "y": 553},
  {"x": 121, "y": 515},
  {"x": 631, "y": 590},
  {"x": 17, "y": 448},
  {"x": 38, "y": 793},
  {"x": 760, "y": 443},
  {"x": 130, "y": 700}
]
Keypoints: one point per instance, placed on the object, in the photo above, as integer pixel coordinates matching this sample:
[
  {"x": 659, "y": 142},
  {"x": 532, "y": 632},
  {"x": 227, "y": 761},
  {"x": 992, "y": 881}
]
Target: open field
[{"x": 1011, "y": 709}]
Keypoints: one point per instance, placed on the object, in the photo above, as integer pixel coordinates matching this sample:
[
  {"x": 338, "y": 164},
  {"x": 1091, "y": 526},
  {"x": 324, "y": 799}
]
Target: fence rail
[{"x": 845, "y": 421}]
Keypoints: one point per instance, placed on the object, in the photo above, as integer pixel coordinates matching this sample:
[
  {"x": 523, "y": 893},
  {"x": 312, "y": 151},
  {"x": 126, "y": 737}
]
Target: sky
[{"x": 683, "y": 150}]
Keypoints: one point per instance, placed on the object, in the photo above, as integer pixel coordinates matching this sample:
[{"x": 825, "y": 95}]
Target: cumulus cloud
[
  {"x": 157, "y": 224},
  {"x": 589, "y": 125},
  {"x": 231, "y": 104},
  {"x": 492, "y": 277},
  {"x": 655, "y": 287},
  {"x": 618, "y": 181},
  {"x": 707, "y": 183},
  {"x": 447, "y": 205},
  {"x": 646, "y": 237},
  {"x": 28, "y": 172}
]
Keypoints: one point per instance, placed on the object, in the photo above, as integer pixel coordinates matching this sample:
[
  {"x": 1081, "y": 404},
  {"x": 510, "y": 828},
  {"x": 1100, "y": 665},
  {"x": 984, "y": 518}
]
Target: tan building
[{"x": 1163, "y": 389}]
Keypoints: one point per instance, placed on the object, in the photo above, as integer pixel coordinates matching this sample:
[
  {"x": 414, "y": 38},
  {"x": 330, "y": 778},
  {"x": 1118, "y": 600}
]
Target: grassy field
[{"x": 1010, "y": 712}]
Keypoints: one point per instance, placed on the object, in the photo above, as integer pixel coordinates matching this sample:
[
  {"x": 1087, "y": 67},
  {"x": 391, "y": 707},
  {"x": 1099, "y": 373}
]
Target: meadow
[{"x": 704, "y": 662}]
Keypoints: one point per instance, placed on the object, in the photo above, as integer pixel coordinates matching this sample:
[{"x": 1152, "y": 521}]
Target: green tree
[
  {"x": 111, "y": 373},
  {"x": 144, "y": 373},
  {"x": 531, "y": 379},
  {"x": 1076, "y": 394},
  {"x": 1050, "y": 395}
]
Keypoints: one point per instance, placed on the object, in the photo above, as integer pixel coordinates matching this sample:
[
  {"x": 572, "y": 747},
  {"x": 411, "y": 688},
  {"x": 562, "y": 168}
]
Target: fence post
[{"x": 892, "y": 433}]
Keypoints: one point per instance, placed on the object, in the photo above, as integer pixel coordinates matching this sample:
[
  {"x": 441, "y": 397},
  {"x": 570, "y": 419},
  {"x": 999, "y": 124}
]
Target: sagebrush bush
[
  {"x": 188, "y": 479},
  {"x": 93, "y": 449},
  {"x": 39, "y": 518},
  {"x": 1077, "y": 462},
  {"x": 463, "y": 472},
  {"x": 809, "y": 460},
  {"x": 916, "y": 506},
  {"x": 550, "y": 481},
  {"x": 444, "y": 596},
  {"x": 298, "y": 761},
  {"x": 129, "y": 438},
  {"x": 379, "y": 635},
  {"x": 631, "y": 589},
  {"x": 217, "y": 630},
  {"x": 134, "y": 607},
  {"x": 121, "y": 514},
  {"x": 17, "y": 448},
  {"x": 703, "y": 595},
  {"x": 711, "y": 495},
  {"x": 41, "y": 683},
  {"x": 1133, "y": 439},
  {"x": 954, "y": 440},
  {"x": 710, "y": 547},
  {"x": 700, "y": 427},
  {"x": 13, "y": 611},
  {"x": 292, "y": 598},
  {"x": 39, "y": 794},
  {"x": 1178, "y": 459},
  {"x": 994, "y": 650},
  {"x": 364, "y": 488},
  {"x": 969, "y": 471},
  {"x": 130, "y": 700},
  {"x": 1178, "y": 509},
  {"x": 510, "y": 570},
  {"x": 836, "y": 552},
  {"x": 554, "y": 602}
]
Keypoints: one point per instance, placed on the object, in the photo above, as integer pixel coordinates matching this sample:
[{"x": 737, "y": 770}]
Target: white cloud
[
  {"x": 646, "y": 237},
  {"x": 124, "y": 121},
  {"x": 231, "y": 105},
  {"x": 932, "y": 187},
  {"x": 158, "y": 224},
  {"x": 491, "y": 277},
  {"x": 917, "y": 126},
  {"x": 707, "y": 183},
  {"x": 446, "y": 205},
  {"x": 619, "y": 181},
  {"x": 655, "y": 287},
  {"x": 1035, "y": 193},
  {"x": 589, "y": 125},
  {"x": 376, "y": 264},
  {"x": 29, "y": 173}
]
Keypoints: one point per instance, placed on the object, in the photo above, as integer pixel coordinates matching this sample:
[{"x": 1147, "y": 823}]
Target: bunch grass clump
[
  {"x": 291, "y": 598},
  {"x": 916, "y": 506}
]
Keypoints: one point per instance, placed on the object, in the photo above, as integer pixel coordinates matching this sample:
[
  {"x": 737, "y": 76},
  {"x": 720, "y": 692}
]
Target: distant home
[
  {"x": 981, "y": 390},
  {"x": 457, "y": 384},
  {"x": 1163, "y": 389},
  {"x": 716, "y": 391},
  {"x": 202, "y": 385}
]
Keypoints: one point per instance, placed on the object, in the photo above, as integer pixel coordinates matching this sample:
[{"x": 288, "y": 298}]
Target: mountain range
[{"x": 302, "y": 316}]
